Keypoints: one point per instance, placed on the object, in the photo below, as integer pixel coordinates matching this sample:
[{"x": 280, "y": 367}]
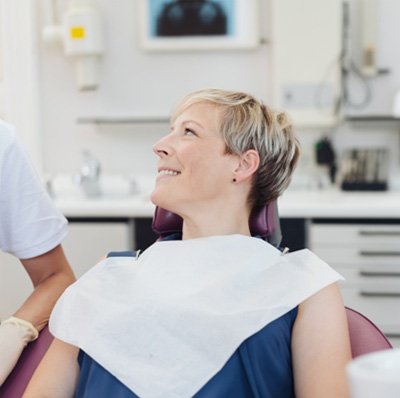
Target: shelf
[
  {"x": 166, "y": 119},
  {"x": 373, "y": 118},
  {"x": 122, "y": 120}
]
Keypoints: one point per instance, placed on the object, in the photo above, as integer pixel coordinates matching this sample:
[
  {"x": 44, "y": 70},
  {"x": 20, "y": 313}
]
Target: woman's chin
[
  {"x": 158, "y": 199},
  {"x": 153, "y": 198}
]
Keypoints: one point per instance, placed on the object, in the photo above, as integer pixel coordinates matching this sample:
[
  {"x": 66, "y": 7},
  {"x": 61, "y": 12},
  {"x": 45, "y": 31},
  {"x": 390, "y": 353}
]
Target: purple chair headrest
[{"x": 264, "y": 223}]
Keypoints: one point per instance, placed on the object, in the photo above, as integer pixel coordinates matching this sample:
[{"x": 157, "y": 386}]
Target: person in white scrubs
[{"x": 32, "y": 229}]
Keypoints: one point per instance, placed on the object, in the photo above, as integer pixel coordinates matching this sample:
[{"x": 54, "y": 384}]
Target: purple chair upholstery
[
  {"x": 365, "y": 336},
  {"x": 17, "y": 381},
  {"x": 263, "y": 223}
]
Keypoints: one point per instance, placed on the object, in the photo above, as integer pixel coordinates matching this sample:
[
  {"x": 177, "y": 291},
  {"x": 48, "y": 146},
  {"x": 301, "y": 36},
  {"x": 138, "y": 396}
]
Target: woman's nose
[{"x": 163, "y": 146}]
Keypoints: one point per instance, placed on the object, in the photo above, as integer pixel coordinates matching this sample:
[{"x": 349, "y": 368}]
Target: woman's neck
[{"x": 219, "y": 222}]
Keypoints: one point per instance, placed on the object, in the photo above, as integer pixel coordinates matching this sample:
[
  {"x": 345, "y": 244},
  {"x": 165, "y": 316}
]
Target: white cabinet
[
  {"x": 15, "y": 285},
  {"x": 85, "y": 244},
  {"x": 368, "y": 256},
  {"x": 306, "y": 45}
]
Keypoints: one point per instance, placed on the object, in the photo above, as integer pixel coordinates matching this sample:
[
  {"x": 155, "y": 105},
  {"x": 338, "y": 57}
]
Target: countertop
[{"x": 327, "y": 203}]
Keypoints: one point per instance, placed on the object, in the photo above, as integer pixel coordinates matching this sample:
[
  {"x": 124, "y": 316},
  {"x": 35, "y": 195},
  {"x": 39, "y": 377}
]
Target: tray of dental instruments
[{"x": 364, "y": 170}]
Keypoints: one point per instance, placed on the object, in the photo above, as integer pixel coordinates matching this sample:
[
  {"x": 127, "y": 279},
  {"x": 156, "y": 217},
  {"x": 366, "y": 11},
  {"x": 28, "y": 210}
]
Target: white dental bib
[{"x": 164, "y": 324}]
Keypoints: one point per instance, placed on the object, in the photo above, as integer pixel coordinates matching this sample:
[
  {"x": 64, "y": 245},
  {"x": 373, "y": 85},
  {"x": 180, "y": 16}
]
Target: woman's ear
[{"x": 248, "y": 165}]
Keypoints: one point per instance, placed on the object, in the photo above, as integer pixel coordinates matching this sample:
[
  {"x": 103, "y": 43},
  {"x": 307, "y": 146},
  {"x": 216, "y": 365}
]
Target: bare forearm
[
  {"x": 50, "y": 275},
  {"x": 38, "y": 306}
]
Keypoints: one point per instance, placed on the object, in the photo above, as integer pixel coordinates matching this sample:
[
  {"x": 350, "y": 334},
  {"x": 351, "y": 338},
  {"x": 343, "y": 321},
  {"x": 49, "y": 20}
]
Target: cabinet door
[
  {"x": 84, "y": 245},
  {"x": 87, "y": 242},
  {"x": 15, "y": 285},
  {"x": 368, "y": 256}
]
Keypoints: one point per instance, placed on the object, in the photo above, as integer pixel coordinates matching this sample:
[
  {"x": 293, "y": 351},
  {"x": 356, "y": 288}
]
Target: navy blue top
[{"x": 261, "y": 368}]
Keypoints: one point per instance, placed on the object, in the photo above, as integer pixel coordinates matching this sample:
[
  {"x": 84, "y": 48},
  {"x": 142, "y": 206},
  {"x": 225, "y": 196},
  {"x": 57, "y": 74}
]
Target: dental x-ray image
[{"x": 191, "y": 17}]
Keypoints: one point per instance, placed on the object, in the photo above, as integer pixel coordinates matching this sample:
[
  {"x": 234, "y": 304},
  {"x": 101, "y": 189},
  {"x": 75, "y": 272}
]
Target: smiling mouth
[{"x": 168, "y": 172}]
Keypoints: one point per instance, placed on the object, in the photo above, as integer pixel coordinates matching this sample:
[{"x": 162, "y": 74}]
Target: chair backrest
[
  {"x": 264, "y": 223},
  {"x": 17, "y": 381},
  {"x": 365, "y": 336}
]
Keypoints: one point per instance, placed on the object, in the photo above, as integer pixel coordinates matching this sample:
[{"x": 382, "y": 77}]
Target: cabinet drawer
[
  {"x": 359, "y": 256},
  {"x": 395, "y": 341},
  {"x": 381, "y": 309},
  {"x": 377, "y": 287},
  {"x": 371, "y": 275},
  {"x": 87, "y": 242},
  {"x": 348, "y": 235}
]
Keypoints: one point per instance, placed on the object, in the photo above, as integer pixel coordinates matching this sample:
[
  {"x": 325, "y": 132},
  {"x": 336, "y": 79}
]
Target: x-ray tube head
[{"x": 83, "y": 40}]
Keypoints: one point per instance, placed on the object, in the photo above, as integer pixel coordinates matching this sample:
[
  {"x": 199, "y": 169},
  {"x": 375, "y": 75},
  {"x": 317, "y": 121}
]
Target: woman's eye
[{"x": 189, "y": 132}]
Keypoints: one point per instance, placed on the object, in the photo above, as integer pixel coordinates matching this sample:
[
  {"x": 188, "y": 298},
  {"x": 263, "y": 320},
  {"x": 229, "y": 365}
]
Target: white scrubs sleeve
[{"x": 30, "y": 224}]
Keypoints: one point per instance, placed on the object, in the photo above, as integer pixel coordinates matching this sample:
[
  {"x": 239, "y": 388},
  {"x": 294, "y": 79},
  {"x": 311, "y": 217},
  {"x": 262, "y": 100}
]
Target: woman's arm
[
  {"x": 321, "y": 346},
  {"x": 50, "y": 274},
  {"x": 57, "y": 374}
]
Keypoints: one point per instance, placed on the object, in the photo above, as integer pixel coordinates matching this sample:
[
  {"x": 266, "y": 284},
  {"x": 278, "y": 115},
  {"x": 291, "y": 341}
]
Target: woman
[
  {"x": 219, "y": 313},
  {"x": 31, "y": 228}
]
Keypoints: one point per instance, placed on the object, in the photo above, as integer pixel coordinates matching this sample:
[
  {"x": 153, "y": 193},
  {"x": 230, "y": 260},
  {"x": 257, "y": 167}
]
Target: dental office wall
[
  {"x": 44, "y": 102},
  {"x": 134, "y": 83}
]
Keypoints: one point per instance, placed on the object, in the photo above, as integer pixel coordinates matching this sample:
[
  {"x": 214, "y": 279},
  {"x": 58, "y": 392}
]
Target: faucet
[{"x": 89, "y": 175}]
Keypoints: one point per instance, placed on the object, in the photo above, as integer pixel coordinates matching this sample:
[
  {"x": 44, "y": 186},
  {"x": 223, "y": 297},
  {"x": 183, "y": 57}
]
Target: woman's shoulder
[
  {"x": 322, "y": 300},
  {"x": 324, "y": 309}
]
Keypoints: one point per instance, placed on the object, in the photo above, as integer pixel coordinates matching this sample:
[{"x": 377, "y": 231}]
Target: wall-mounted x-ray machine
[{"x": 81, "y": 35}]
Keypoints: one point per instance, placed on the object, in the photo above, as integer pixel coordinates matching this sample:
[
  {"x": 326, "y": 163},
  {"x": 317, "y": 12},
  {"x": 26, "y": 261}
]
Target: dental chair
[{"x": 365, "y": 336}]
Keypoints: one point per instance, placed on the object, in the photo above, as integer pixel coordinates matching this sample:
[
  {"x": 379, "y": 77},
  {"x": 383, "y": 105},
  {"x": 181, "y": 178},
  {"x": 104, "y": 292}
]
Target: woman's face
[{"x": 193, "y": 168}]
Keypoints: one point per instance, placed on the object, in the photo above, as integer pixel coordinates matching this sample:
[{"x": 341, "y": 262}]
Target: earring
[{"x": 234, "y": 180}]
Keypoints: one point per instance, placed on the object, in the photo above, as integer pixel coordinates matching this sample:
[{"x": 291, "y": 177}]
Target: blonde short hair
[{"x": 247, "y": 123}]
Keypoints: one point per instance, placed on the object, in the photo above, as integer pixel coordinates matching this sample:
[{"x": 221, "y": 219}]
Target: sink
[{"x": 110, "y": 186}]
